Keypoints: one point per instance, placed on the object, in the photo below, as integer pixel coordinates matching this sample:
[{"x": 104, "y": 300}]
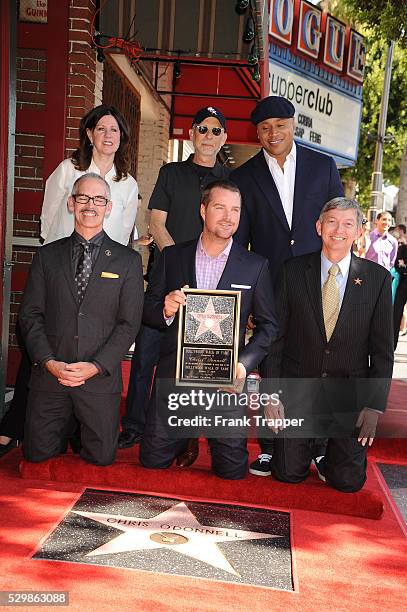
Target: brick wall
[
  {"x": 31, "y": 65},
  {"x": 29, "y": 148},
  {"x": 31, "y": 85},
  {"x": 153, "y": 146},
  {"x": 82, "y": 69},
  {"x": 30, "y": 77},
  {"x": 153, "y": 153}
]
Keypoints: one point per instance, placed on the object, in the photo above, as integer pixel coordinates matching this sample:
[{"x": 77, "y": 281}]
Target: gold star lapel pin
[{"x": 357, "y": 281}]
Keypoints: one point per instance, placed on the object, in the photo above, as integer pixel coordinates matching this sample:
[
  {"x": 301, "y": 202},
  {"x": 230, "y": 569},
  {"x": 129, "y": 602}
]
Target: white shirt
[
  {"x": 57, "y": 222},
  {"x": 284, "y": 180},
  {"x": 341, "y": 277}
]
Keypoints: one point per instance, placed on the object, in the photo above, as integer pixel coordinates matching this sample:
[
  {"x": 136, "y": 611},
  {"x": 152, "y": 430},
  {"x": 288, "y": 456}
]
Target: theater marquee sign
[
  {"x": 323, "y": 115},
  {"x": 317, "y": 62}
]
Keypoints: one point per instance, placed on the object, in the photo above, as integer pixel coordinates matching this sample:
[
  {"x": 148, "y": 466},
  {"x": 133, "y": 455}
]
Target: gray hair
[
  {"x": 91, "y": 175},
  {"x": 342, "y": 203}
]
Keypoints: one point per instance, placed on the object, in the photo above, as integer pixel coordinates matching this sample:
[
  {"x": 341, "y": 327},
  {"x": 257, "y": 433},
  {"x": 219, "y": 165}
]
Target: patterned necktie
[
  {"x": 83, "y": 270},
  {"x": 330, "y": 301}
]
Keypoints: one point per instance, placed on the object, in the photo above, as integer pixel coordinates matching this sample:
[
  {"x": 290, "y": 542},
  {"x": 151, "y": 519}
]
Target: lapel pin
[
  {"x": 108, "y": 253},
  {"x": 357, "y": 281}
]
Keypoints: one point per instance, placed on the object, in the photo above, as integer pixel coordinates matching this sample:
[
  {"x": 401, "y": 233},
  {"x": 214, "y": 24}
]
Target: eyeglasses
[
  {"x": 202, "y": 129},
  {"x": 82, "y": 198}
]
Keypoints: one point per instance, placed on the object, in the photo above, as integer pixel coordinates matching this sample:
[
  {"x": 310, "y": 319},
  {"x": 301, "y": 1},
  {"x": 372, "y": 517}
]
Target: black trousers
[
  {"x": 158, "y": 449},
  {"x": 344, "y": 464},
  {"x": 399, "y": 302},
  {"x": 49, "y": 420},
  {"x": 145, "y": 358},
  {"x": 229, "y": 456},
  {"x": 12, "y": 424}
]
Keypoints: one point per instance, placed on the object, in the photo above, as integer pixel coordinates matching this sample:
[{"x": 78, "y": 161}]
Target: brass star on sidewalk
[{"x": 209, "y": 321}]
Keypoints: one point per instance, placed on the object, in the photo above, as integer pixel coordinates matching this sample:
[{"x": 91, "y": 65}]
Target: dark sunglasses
[{"x": 202, "y": 129}]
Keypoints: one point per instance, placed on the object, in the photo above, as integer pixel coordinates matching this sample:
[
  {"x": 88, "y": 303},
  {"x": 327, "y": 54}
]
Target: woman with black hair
[{"x": 104, "y": 149}]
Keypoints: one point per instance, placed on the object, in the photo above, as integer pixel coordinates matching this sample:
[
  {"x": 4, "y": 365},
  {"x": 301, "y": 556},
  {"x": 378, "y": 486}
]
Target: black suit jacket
[
  {"x": 176, "y": 268},
  {"x": 360, "y": 347},
  {"x": 263, "y": 223},
  {"x": 102, "y": 328}
]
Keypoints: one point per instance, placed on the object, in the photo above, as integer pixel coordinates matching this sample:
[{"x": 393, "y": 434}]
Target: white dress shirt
[
  {"x": 284, "y": 180},
  {"x": 57, "y": 222},
  {"x": 342, "y": 276}
]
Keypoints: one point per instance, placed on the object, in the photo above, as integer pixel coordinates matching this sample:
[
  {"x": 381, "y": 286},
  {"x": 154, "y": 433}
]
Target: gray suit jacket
[{"x": 102, "y": 328}]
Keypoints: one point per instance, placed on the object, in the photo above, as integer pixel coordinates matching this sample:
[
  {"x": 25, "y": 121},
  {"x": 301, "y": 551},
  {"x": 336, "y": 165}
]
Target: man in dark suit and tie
[
  {"x": 284, "y": 188},
  {"x": 333, "y": 358},
  {"x": 214, "y": 261},
  {"x": 81, "y": 310}
]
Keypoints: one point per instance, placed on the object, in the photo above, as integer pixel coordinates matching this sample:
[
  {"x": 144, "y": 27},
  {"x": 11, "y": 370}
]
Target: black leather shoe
[
  {"x": 190, "y": 454},
  {"x": 6, "y": 448},
  {"x": 127, "y": 439},
  {"x": 75, "y": 444}
]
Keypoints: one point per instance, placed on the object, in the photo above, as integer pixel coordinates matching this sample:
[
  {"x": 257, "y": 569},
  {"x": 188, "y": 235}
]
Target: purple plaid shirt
[{"x": 210, "y": 269}]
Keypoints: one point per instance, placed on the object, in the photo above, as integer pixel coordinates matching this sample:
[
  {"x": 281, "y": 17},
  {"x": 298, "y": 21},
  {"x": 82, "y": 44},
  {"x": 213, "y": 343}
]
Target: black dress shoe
[
  {"x": 6, "y": 448},
  {"x": 190, "y": 454},
  {"x": 75, "y": 444},
  {"x": 127, "y": 439}
]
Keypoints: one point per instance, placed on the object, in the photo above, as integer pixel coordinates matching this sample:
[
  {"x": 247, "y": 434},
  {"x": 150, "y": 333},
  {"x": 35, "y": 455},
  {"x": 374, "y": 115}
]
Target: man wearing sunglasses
[
  {"x": 81, "y": 310},
  {"x": 176, "y": 198},
  {"x": 175, "y": 217}
]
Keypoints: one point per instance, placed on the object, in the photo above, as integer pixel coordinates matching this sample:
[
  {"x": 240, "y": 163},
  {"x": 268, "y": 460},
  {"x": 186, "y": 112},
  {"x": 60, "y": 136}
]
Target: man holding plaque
[
  {"x": 174, "y": 206},
  {"x": 212, "y": 262}
]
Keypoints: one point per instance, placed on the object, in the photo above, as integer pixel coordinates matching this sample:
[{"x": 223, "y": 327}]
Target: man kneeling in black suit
[
  {"x": 81, "y": 311},
  {"x": 333, "y": 358},
  {"x": 214, "y": 261}
]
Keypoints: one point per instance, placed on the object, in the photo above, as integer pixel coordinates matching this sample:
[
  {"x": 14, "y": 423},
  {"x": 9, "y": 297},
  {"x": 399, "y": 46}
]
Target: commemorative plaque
[{"x": 208, "y": 338}]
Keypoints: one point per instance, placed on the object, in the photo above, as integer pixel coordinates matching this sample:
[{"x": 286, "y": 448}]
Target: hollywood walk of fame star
[
  {"x": 177, "y": 529},
  {"x": 209, "y": 321},
  {"x": 357, "y": 281}
]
